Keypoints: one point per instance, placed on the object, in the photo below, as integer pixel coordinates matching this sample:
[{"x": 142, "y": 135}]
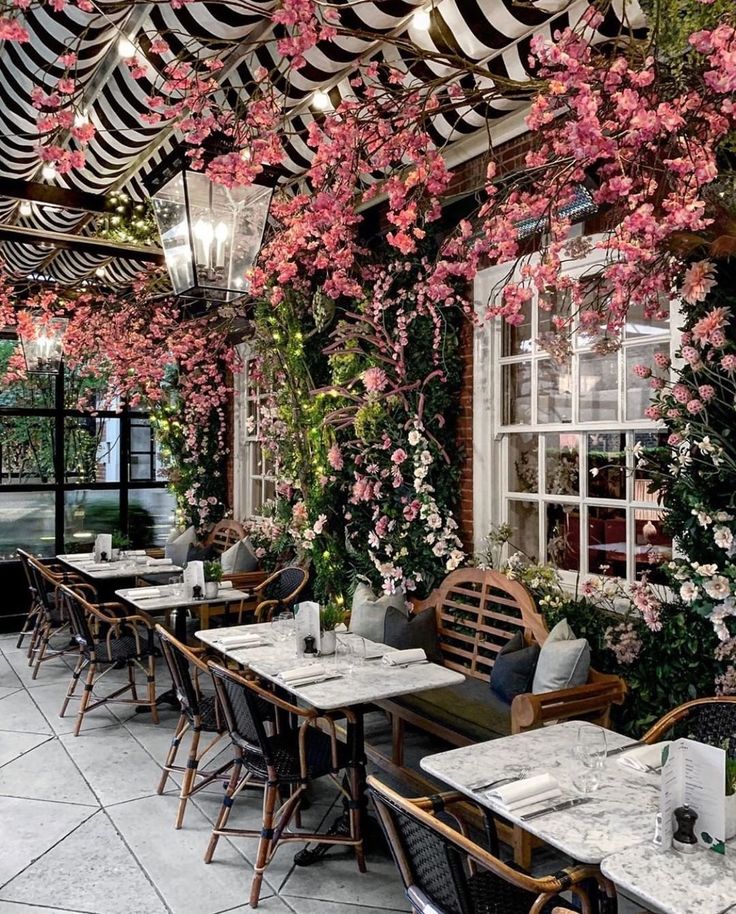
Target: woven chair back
[
  {"x": 285, "y": 584},
  {"x": 44, "y": 584},
  {"x": 427, "y": 861},
  {"x": 243, "y": 712},
  {"x": 77, "y": 612},
  {"x": 25, "y": 560},
  {"x": 713, "y": 723},
  {"x": 178, "y": 660}
]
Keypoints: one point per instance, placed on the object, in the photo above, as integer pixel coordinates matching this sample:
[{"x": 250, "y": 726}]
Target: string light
[
  {"x": 126, "y": 48},
  {"x": 81, "y": 119},
  {"x": 48, "y": 172},
  {"x": 101, "y": 271},
  {"x": 321, "y": 101},
  {"x": 26, "y": 209},
  {"x": 421, "y": 20}
]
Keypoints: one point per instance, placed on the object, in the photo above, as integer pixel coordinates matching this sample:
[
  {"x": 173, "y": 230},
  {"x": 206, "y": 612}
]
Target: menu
[
  {"x": 307, "y": 623},
  {"x": 192, "y": 577},
  {"x": 694, "y": 774},
  {"x": 103, "y": 545}
]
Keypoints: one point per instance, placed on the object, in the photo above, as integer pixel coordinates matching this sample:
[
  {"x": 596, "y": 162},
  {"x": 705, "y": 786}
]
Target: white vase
[
  {"x": 114, "y": 555},
  {"x": 210, "y": 589},
  {"x": 327, "y": 643}
]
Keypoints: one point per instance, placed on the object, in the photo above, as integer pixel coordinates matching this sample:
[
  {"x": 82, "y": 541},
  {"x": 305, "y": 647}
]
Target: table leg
[{"x": 169, "y": 696}]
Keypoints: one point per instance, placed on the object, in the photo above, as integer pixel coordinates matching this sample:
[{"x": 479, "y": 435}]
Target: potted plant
[
  {"x": 330, "y": 616},
  {"x": 730, "y": 797},
  {"x": 120, "y": 543},
  {"x": 212, "y": 578}
]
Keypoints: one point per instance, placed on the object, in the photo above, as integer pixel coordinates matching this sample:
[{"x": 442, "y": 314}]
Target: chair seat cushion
[{"x": 469, "y": 708}]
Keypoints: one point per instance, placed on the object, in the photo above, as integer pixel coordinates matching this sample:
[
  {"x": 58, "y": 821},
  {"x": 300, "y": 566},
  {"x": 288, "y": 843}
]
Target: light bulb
[
  {"x": 26, "y": 209},
  {"x": 221, "y": 231},
  {"x": 48, "y": 172},
  {"x": 126, "y": 48},
  {"x": 203, "y": 230},
  {"x": 321, "y": 101},
  {"x": 421, "y": 20},
  {"x": 81, "y": 119},
  {"x": 101, "y": 271}
]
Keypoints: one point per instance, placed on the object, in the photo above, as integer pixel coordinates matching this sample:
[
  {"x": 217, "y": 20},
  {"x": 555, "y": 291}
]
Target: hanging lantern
[
  {"x": 42, "y": 339},
  {"x": 210, "y": 234}
]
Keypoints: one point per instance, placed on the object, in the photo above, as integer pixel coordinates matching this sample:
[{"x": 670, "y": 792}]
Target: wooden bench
[{"x": 477, "y": 613}]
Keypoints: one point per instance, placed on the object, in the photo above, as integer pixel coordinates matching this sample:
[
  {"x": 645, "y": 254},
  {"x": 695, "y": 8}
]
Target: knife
[
  {"x": 626, "y": 748},
  {"x": 567, "y": 804}
]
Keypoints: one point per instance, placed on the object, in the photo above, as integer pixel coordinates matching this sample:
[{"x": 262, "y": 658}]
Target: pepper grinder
[
  {"x": 310, "y": 645},
  {"x": 684, "y": 839}
]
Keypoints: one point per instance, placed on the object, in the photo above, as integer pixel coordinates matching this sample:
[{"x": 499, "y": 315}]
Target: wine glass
[{"x": 590, "y": 751}]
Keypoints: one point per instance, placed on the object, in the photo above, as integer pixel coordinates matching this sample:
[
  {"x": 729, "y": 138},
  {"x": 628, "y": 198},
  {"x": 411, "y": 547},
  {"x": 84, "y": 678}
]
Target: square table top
[
  {"x": 621, "y": 814},
  {"x": 171, "y": 597},
  {"x": 700, "y": 883},
  {"x": 85, "y": 564},
  {"x": 369, "y": 682}
]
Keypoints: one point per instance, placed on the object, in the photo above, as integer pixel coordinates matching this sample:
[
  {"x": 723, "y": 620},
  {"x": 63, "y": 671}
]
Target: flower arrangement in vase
[
  {"x": 212, "y": 578},
  {"x": 330, "y": 616}
]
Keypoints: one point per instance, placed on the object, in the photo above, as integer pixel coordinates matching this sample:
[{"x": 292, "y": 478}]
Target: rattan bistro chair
[
  {"x": 128, "y": 641},
  {"x": 707, "y": 720},
  {"x": 35, "y": 609},
  {"x": 281, "y": 764},
  {"x": 200, "y": 713},
  {"x": 278, "y": 592},
  {"x": 443, "y": 871}
]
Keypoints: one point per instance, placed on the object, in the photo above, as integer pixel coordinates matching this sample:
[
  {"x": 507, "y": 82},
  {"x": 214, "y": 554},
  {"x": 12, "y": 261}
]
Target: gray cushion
[
  {"x": 368, "y": 615},
  {"x": 178, "y": 550},
  {"x": 469, "y": 708},
  {"x": 564, "y": 661},
  {"x": 239, "y": 558},
  {"x": 513, "y": 670},
  {"x": 417, "y": 631}
]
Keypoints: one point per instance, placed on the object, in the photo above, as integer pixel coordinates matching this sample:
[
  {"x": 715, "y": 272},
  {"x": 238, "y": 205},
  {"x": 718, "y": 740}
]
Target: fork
[{"x": 486, "y": 785}]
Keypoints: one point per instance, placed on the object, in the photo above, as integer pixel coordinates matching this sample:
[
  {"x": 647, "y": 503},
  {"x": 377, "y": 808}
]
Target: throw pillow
[
  {"x": 407, "y": 632},
  {"x": 239, "y": 558},
  {"x": 178, "y": 549},
  {"x": 564, "y": 661},
  {"x": 199, "y": 553},
  {"x": 513, "y": 671},
  {"x": 368, "y": 614}
]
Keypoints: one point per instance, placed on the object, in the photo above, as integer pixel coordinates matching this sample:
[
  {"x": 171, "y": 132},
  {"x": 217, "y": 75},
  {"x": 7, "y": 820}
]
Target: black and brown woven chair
[
  {"x": 278, "y": 592},
  {"x": 35, "y": 609},
  {"x": 281, "y": 765},
  {"x": 50, "y": 637},
  {"x": 200, "y": 713},
  {"x": 707, "y": 720},
  {"x": 443, "y": 871},
  {"x": 128, "y": 641}
]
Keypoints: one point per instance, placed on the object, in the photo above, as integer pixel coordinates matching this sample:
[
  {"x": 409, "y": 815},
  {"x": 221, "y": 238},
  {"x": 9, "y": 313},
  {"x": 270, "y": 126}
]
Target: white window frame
[
  {"x": 247, "y": 475},
  {"x": 491, "y": 437}
]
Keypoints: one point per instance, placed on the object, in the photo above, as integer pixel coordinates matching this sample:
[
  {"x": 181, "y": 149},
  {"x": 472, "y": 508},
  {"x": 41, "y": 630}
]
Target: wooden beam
[
  {"x": 91, "y": 245},
  {"x": 51, "y": 195}
]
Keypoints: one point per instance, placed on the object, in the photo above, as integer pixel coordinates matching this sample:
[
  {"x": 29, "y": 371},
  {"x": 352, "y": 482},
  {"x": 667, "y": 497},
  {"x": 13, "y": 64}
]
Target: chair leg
[
  {"x": 72, "y": 685},
  {"x": 44, "y": 638},
  {"x": 28, "y": 626},
  {"x": 131, "y": 680},
  {"x": 224, "y": 813},
  {"x": 189, "y": 775},
  {"x": 86, "y": 695},
  {"x": 181, "y": 728},
  {"x": 151, "y": 678},
  {"x": 270, "y": 798}
]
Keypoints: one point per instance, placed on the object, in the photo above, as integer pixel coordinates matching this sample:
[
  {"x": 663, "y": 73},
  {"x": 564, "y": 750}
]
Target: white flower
[
  {"x": 638, "y": 449},
  {"x": 704, "y": 519},
  {"x": 439, "y": 549},
  {"x": 718, "y": 587},
  {"x": 723, "y": 537},
  {"x": 594, "y": 472},
  {"x": 426, "y": 458},
  {"x": 456, "y": 557},
  {"x": 706, "y": 570},
  {"x": 706, "y": 446},
  {"x": 723, "y": 516},
  {"x": 420, "y": 473},
  {"x": 689, "y": 592},
  {"x": 414, "y": 437},
  {"x": 434, "y": 521}
]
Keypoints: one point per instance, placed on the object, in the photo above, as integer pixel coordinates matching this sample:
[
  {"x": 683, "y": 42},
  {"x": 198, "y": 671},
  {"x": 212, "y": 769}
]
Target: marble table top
[
  {"x": 675, "y": 883},
  {"x": 171, "y": 597},
  {"x": 621, "y": 814},
  {"x": 126, "y": 568},
  {"x": 367, "y": 682}
]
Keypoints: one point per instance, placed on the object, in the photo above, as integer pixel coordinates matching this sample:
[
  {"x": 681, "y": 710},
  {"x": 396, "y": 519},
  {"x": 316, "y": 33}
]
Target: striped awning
[{"x": 494, "y": 35}]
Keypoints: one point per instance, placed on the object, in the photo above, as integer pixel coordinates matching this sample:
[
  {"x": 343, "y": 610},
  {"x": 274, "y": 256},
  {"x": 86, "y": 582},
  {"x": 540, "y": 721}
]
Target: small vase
[
  {"x": 210, "y": 590},
  {"x": 327, "y": 643}
]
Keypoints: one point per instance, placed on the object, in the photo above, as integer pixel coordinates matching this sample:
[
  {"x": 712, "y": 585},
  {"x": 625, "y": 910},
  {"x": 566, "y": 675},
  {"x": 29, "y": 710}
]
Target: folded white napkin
[
  {"x": 145, "y": 593},
  {"x": 303, "y": 675},
  {"x": 643, "y": 757},
  {"x": 241, "y": 637},
  {"x": 527, "y": 792},
  {"x": 99, "y": 566},
  {"x": 399, "y": 658},
  {"x": 159, "y": 562},
  {"x": 225, "y": 585}
]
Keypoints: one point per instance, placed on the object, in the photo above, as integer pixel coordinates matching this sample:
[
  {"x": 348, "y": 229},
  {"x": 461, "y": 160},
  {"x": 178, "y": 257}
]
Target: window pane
[
  {"x": 524, "y": 521},
  {"x": 37, "y": 392},
  {"x": 554, "y": 395},
  {"x": 145, "y": 461},
  {"x": 87, "y": 513},
  {"x": 26, "y": 450},
  {"x": 607, "y": 465},
  {"x": 563, "y": 536},
  {"x": 151, "y": 516},
  {"x": 523, "y": 463},
  {"x": 517, "y": 393},
  {"x": 607, "y": 541},
  {"x": 639, "y": 326},
  {"x": 638, "y": 391},
  {"x": 26, "y": 522},
  {"x": 517, "y": 340},
  {"x": 598, "y": 386},
  {"x": 562, "y": 464},
  {"x": 84, "y": 392},
  {"x": 92, "y": 450}
]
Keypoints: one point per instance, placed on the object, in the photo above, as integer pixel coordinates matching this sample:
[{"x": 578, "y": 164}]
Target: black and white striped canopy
[{"x": 493, "y": 34}]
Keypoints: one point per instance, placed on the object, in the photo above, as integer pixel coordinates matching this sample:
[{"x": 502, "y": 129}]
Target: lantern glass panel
[
  {"x": 170, "y": 209},
  {"x": 43, "y": 344}
]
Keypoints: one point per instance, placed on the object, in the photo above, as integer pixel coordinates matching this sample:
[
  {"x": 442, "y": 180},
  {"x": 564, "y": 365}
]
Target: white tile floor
[{"x": 82, "y": 830}]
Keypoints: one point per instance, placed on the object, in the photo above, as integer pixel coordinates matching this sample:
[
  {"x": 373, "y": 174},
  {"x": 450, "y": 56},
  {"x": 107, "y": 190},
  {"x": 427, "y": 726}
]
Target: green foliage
[
  {"x": 120, "y": 540},
  {"x": 213, "y": 570},
  {"x": 330, "y": 616}
]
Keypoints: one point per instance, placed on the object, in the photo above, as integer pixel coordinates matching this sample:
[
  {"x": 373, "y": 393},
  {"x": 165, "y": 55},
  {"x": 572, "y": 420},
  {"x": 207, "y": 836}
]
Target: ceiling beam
[
  {"x": 51, "y": 195},
  {"x": 84, "y": 243}
]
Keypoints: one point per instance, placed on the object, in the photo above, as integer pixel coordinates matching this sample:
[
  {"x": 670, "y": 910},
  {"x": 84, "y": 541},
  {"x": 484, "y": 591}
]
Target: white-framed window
[
  {"x": 556, "y": 446},
  {"x": 254, "y": 482}
]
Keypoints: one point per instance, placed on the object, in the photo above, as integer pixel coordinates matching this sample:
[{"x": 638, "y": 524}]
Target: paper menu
[
  {"x": 193, "y": 576},
  {"x": 103, "y": 543},
  {"x": 307, "y": 623},
  {"x": 694, "y": 774}
]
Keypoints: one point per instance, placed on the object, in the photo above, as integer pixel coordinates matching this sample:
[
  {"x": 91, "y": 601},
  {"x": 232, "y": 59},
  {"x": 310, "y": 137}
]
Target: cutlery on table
[
  {"x": 558, "y": 807},
  {"x": 730, "y": 907},
  {"x": 626, "y": 748},
  {"x": 486, "y": 785}
]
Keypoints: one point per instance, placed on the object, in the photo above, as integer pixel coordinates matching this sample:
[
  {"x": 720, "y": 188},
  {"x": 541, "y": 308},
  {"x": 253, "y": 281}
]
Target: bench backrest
[
  {"x": 224, "y": 534},
  {"x": 478, "y": 612}
]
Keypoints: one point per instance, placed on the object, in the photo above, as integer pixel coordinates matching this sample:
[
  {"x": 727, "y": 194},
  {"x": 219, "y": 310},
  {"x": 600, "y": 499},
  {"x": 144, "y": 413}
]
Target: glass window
[
  {"x": 259, "y": 479},
  {"x": 27, "y": 522},
  {"x": 151, "y": 516},
  {"x": 26, "y": 450},
  {"x": 91, "y": 450},
  {"x": 88, "y": 512}
]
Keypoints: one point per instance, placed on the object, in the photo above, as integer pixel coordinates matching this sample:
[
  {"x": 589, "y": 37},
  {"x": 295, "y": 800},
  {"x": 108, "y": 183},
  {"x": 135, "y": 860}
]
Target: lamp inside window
[{"x": 42, "y": 339}]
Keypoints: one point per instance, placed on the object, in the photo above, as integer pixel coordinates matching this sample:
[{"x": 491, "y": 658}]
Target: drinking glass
[
  {"x": 287, "y": 625},
  {"x": 590, "y": 752},
  {"x": 175, "y": 583}
]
